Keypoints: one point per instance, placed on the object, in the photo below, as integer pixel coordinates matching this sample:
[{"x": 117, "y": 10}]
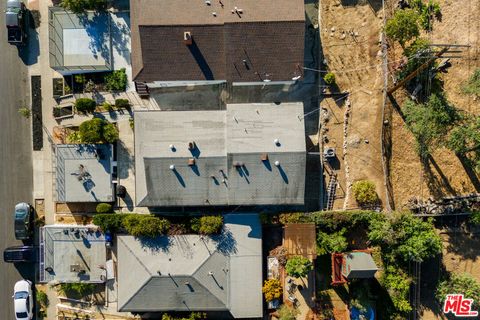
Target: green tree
[
  {"x": 331, "y": 242},
  {"x": 110, "y": 132},
  {"x": 140, "y": 225},
  {"x": 364, "y": 192},
  {"x": 465, "y": 140},
  {"x": 298, "y": 266},
  {"x": 117, "y": 80},
  {"x": 91, "y": 131},
  {"x": 287, "y": 313},
  {"x": 85, "y": 105},
  {"x": 474, "y": 218},
  {"x": 459, "y": 283},
  {"x": 430, "y": 122},
  {"x": 272, "y": 289},
  {"x": 80, "y": 6},
  {"x": 397, "y": 284},
  {"x": 472, "y": 86},
  {"x": 403, "y": 27},
  {"x": 122, "y": 103},
  {"x": 98, "y": 130}
]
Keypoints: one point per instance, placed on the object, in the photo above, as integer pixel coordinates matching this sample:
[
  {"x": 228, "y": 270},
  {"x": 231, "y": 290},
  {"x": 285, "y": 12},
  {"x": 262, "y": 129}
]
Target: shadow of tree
[
  {"x": 160, "y": 243},
  {"x": 225, "y": 242}
]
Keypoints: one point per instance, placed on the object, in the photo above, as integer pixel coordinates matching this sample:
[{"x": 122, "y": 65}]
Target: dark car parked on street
[
  {"x": 20, "y": 254},
  {"x": 23, "y": 221}
]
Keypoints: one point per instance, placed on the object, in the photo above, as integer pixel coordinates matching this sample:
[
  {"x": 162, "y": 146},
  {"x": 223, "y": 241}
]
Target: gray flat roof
[
  {"x": 359, "y": 265},
  {"x": 229, "y": 147},
  {"x": 65, "y": 246},
  {"x": 190, "y": 272},
  {"x": 84, "y": 173}
]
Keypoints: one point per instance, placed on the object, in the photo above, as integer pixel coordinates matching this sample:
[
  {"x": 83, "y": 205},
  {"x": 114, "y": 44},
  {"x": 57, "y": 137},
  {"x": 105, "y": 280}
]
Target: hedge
[{"x": 85, "y": 105}]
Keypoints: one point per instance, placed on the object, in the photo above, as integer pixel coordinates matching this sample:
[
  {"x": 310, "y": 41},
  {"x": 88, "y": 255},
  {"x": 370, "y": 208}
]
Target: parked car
[
  {"x": 20, "y": 254},
  {"x": 23, "y": 221},
  {"x": 22, "y": 300},
  {"x": 16, "y": 18}
]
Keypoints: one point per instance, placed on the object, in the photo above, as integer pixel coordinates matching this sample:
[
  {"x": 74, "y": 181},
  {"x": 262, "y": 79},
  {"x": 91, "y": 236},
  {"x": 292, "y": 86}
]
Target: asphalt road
[{"x": 16, "y": 178}]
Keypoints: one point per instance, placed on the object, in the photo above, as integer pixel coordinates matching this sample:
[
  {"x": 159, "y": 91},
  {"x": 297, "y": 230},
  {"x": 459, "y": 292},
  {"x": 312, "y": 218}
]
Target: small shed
[
  {"x": 299, "y": 239},
  {"x": 358, "y": 265}
]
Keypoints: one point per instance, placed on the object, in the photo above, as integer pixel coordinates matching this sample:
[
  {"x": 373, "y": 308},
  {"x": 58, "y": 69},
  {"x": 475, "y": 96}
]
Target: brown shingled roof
[{"x": 266, "y": 41}]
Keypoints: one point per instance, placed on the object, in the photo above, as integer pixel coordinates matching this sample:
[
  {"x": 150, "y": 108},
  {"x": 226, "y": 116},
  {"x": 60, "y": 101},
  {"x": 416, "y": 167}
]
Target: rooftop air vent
[
  {"x": 187, "y": 38},
  {"x": 191, "y": 162},
  {"x": 277, "y": 163},
  {"x": 172, "y": 167},
  {"x": 191, "y": 145},
  {"x": 237, "y": 164},
  {"x": 264, "y": 157}
]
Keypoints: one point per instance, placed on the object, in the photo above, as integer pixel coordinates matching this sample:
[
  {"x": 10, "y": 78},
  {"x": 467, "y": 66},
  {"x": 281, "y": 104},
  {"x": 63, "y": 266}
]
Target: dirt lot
[
  {"x": 445, "y": 175},
  {"x": 350, "y": 33}
]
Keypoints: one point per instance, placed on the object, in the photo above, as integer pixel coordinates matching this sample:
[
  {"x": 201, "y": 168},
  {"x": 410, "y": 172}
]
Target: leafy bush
[
  {"x": 473, "y": 84},
  {"x": 207, "y": 224},
  {"x": 287, "y": 313},
  {"x": 25, "y": 112},
  {"x": 426, "y": 11},
  {"x": 329, "y": 78},
  {"x": 107, "y": 106},
  {"x": 42, "y": 299},
  {"x": 79, "y": 288},
  {"x": 132, "y": 123},
  {"x": 104, "y": 208},
  {"x": 272, "y": 289},
  {"x": 364, "y": 192},
  {"x": 117, "y": 80},
  {"x": 97, "y": 131},
  {"x": 397, "y": 284},
  {"x": 295, "y": 217},
  {"x": 140, "y": 225},
  {"x": 109, "y": 221},
  {"x": 80, "y": 6},
  {"x": 459, "y": 283},
  {"x": 403, "y": 27},
  {"x": 110, "y": 133},
  {"x": 192, "y": 316},
  {"x": 331, "y": 242},
  {"x": 298, "y": 266},
  {"x": 74, "y": 137},
  {"x": 122, "y": 103},
  {"x": 475, "y": 218},
  {"x": 85, "y": 105}
]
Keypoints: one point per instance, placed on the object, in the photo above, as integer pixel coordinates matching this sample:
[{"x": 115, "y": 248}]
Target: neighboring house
[
  {"x": 79, "y": 43},
  {"x": 234, "y": 41},
  {"x": 71, "y": 253},
  {"x": 248, "y": 154},
  {"x": 220, "y": 273},
  {"x": 84, "y": 172}
]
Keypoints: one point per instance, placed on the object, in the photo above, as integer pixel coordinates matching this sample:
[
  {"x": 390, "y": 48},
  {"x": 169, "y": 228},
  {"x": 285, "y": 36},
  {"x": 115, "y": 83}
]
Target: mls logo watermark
[{"x": 459, "y": 306}]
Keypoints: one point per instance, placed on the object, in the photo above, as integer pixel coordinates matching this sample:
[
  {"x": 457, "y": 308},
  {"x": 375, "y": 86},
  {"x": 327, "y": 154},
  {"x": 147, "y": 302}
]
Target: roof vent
[
  {"x": 214, "y": 14},
  {"x": 187, "y": 38},
  {"x": 191, "y": 145},
  {"x": 277, "y": 142},
  {"x": 172, "y": 147},
  {"x": 172, "y": 167},
  {"x": 277, "y": 163},
  {"x": 264, "y": 157},
  {"x": 237, "y": 164},
  {"x": 207, "y": 2},
  {"x": 191, "y": 162}
]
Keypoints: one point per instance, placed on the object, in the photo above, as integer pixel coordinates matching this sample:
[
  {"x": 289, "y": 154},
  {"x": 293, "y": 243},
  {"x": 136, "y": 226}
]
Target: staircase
[
  {"x": 331, "y": 189},
  {"x": 142, "y": 89}
]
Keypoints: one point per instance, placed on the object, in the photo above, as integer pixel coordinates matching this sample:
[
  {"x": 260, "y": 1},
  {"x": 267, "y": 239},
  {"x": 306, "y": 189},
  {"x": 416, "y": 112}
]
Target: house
[
  {"x": 248, "y": 154},
  {"x": 221, "y": 273},
  {"x": 229, "y": 40},
  {"x": 72, "y": 253},
  {"x": 79, "y": 43},
  {"x": 83, "y": 173}
]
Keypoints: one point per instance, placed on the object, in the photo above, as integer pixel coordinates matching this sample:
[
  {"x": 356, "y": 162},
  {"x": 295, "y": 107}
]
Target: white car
[{"x": 22, "y": 299}]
